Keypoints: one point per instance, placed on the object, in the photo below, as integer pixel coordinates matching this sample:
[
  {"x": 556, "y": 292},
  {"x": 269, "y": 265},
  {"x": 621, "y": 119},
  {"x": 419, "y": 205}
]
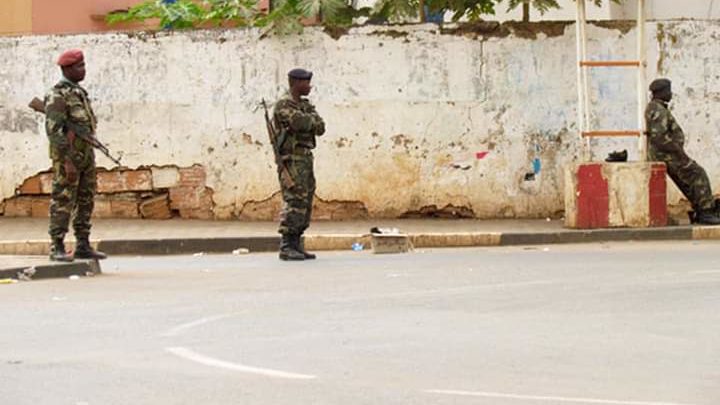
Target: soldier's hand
[{"x": 70, "y": 171}]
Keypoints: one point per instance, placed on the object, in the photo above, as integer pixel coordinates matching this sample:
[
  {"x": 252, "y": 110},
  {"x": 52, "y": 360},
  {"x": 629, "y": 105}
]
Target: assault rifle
[
  {"x": 38, "y": 105},
  {"x": 277, "y": 141}
]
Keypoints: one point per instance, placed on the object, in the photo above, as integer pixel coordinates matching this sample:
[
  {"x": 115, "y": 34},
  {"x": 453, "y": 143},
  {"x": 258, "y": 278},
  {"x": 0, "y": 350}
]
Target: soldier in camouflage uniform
[
  {"x": 297, "y": 124},
  {"x": 666, "y": 144},
  {"x": 69, "y": 114}
]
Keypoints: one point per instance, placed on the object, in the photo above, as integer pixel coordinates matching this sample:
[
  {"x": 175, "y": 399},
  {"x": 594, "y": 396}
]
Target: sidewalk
[{"x": 28, "y": 236}]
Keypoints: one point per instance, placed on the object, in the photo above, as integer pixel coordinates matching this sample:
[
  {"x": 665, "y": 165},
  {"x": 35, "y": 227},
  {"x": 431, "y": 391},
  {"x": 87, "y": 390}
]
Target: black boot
[
  {"x": 707, "y": 217},
  {"x": 57, "y": 251},
  {"x": 300, "y": 243},
  {"x": 83, "y": 250},
  {"x": 288, "y": 251}
]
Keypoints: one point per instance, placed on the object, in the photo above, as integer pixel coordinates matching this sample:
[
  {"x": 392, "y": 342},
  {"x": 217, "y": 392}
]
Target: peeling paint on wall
[{"x": 407, "y": 109}]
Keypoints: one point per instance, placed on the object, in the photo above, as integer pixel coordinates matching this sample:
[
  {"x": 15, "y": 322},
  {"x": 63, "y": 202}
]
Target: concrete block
[
  {"x": 165, "y": 177},
  {"x": 612, "y": 195},
  {"x": 390, "y": 243}
]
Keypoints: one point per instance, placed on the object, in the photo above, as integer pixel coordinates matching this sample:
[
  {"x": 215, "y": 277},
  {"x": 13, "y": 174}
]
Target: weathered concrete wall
[{"x": 481, "y": 121}]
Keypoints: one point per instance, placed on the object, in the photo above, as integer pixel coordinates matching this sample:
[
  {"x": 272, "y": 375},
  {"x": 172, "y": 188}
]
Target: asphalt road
[{"x": 623, "y": 324}]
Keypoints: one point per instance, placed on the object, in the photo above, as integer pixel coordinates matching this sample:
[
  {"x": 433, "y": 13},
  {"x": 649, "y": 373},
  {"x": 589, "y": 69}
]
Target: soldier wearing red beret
[{"x": 69, "y": 116}]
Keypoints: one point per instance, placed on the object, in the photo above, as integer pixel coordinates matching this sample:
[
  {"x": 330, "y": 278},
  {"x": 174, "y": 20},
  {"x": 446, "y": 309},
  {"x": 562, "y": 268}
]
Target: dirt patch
[
  {"x": 624, "y": 26},
  {"x": 448, "y": 212},
  {"x": 486, "y": 29},
  {"x": 530, "y": 30},
  {"x": 494, "y": 29},
  {"x": 390, "y": 33},
  {"x": 336, "y": 32}
]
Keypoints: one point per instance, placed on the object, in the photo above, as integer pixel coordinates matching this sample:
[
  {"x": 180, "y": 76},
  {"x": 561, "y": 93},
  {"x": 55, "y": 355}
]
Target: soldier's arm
[
  {"x": 55, "y": 124},
  {"x": 300, "y": 121},
  {"x": 318, "y": 125}
]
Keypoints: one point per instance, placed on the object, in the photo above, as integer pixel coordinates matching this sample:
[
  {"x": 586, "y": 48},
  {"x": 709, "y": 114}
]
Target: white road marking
[
  {"x": 188, "y": 354},
  {"x": 548, "y": 398},
  {"x": 181, "y": 328},
  {"x": 705, "y": 272}
]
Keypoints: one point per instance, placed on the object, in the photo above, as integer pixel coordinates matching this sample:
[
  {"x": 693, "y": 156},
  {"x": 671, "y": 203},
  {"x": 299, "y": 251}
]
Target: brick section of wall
[
  {"x": 122, "y": 181},
  {"x": 37, "y": 185},
  {"x": 156, "y": 208},
  {"x": 27, "y": 206},
  {"x": 153, "y": 193},
  {"x": 194, "y": 176}
]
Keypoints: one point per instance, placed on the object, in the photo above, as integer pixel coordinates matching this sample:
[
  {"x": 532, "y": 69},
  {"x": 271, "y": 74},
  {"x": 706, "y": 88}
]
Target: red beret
[{"x": 70, "y": 57}]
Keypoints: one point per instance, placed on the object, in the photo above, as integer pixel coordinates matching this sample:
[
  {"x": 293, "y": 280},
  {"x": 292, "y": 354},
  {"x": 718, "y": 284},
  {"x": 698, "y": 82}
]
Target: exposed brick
[
  {"x": 124, "y": 208},
  {"x": 190, "y": 198},
  {"x": 40, "y": 207},
  {"x": 18, "y": 207},
  {"x": 165, "y": 177},
  {"x": 156, "y": 208},
  {"x": 31, "y": 186},
  {"x": 192, "y": 176},
  {"x": 123, "y": 205},
  {"x": 126, "y": 180},
  {"x": 102, "y": 207}
]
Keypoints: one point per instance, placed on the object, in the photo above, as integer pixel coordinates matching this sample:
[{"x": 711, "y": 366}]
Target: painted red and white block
[{"x": 615, "y": 195}]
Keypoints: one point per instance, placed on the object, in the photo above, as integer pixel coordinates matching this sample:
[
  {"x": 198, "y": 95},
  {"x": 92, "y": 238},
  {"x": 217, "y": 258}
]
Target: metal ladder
[{"x": 584, "y": 64}]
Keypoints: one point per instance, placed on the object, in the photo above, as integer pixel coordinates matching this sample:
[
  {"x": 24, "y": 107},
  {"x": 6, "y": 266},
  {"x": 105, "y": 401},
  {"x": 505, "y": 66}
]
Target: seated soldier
[{"x": 666, "y": 142}]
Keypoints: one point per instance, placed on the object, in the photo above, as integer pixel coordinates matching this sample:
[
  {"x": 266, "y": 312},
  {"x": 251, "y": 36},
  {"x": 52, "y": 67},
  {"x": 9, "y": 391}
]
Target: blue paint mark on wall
[{"x": 537, "y": 166}]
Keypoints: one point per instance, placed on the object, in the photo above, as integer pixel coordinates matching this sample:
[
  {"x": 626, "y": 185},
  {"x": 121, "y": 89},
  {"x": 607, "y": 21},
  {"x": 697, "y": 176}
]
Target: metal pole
[
  {"x": 583, "y": 97},
  {"x": 642, "y": 93}
]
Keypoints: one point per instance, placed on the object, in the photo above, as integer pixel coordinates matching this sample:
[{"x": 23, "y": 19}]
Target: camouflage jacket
[
  {"x": 67, "y": 108},
  {"x": 297, "y": 125},
  {"x": 665, "y": 137}
]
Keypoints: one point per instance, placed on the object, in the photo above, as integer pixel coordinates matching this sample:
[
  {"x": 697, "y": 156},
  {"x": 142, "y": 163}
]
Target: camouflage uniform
[
  {"x": 297, "y": 124},
  {"x": 666, "y": 140},
  {"x": 68, "y": 112}
]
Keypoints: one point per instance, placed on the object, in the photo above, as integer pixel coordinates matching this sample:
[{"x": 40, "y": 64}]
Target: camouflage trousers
[
  {"x": 297, "y": 184},
  {"x": 72, "y": 199},
  {"x": 691, "y": 179}
]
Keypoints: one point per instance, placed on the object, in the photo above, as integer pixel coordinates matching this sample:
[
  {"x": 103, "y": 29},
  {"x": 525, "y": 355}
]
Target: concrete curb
[
  {"x": 345, "y": 241},
  {"x": 55, "y": 270}
]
